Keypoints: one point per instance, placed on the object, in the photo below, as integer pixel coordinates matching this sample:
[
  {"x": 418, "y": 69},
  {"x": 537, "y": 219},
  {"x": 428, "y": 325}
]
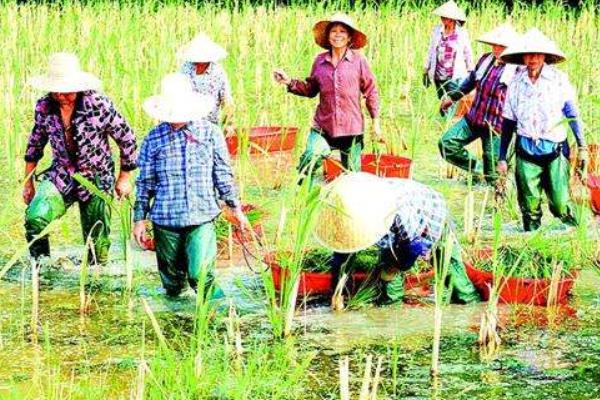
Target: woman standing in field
[
  {"x": 76, "y": 120},
  {"x": 200, "y": 63},
  {"x": 450, "y": 57},
  {"x": 184, "y": 166},
  {"x": 540, "y": 103},
  {"x": 341, "y": 76}
]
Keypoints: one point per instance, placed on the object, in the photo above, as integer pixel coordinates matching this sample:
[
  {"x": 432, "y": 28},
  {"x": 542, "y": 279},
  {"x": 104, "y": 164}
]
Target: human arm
[
  {"x": 145, "y": 183},
  {"x": 571, "y": 113},
  {"x": 305, "y": 88},
  {"x": 33, "y": 153}
]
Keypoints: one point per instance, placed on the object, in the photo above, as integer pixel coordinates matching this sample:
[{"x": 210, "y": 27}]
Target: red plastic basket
[
  {"x": 319, "y": 283},
  {"x": 593, "y": 183},
  {"x": 386, "y": 165},
  {"x": 519, "y": 290},
  {"x": 264, "y": 138}
]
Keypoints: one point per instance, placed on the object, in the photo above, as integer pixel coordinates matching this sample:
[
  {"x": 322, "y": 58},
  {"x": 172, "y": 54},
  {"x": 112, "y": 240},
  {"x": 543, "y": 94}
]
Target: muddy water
[{"x": 101, "y": 349}]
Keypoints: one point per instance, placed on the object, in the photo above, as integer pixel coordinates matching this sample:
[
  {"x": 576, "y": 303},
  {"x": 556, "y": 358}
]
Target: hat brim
[
  {"x": 494, "y": 42},
  {"x": 359, "y": 39},
  {"x": 188, "y": 107},
  {"x": 517, "y": 57},
  {"x": 214, "y": 54},
  {"x": 78, "y": 82}
]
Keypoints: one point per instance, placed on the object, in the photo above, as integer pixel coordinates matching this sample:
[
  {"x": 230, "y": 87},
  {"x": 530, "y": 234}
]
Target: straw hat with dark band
[
  {"x": 64, "y": 75},
  {"x": 450, "y": 10},
  {"x": 321, "y": 31},
  {"x": 533, "y": 42},
  {"x": 503, "y": 35},
  {"x": 357, "y": 210}
]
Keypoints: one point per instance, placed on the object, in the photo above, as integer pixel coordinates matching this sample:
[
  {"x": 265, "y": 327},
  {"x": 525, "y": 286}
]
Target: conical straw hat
[
  {"x": 359, "y": 39},
  {"x": 533, "y": 41},
  {"x": 357, "y": 210},
  {"x": 201, "y": 49},
  {"x": 178, "y": 102},
  {"x": 450, "y": 10},
  {"x": 64, "y": 75},
  {"x": 503, "y": 35}
]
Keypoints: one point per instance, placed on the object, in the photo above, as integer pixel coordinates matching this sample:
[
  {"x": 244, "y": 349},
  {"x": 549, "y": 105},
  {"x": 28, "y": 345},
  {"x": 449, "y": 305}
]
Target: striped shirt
[
  {"x": 421, "y": 213},
  {"x": 184, "y": 171}
]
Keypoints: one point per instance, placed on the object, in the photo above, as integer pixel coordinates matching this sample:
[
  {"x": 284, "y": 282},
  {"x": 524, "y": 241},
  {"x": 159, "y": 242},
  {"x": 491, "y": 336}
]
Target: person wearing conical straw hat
[
  {"x": 201, "y": 58},
  {"x": 484, "y": 119},
  {"x": 341, "y": 76},
  {"x": 77, "y": 121},
  {"x": 184, "y": 171},
  {"x": 540, "y": 104},
  {"x": 450, "y": 57},
  {"x": 405, "y": 219}
]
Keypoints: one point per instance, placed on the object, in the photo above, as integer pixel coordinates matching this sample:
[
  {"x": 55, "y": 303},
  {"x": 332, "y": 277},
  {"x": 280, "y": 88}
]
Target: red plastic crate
[
  {"x": 319, "y": 283},
  {"x": 518, "y": 290},
  {"x": 264, "y": 138},
  {"x": 593, "y": 183},
  {"x": 386, "y": 165}
]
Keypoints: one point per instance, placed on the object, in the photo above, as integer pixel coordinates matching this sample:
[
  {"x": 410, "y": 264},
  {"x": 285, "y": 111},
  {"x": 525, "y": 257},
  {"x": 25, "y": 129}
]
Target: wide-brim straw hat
[
  {"x": 533, "y": 42},
  {"x": 177, "y": 102},
  {"x": 503, "y": 35},
  {"x": 320, "y": 31},
  {"x": 201, "y": 49},
  {"x": 450, "y": 10},
  {"x": 356, "y": 210},
  {"x": 64, "y": 75}
]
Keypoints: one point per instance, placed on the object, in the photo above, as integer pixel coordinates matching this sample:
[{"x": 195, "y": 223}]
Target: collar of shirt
[
  {"x": 348, "y": 55},
  {"x": 547, "y": 73}
]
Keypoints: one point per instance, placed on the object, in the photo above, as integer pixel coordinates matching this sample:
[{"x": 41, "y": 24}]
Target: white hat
[
  {"x": 64, "y": 75},
  {"x": 503, "y": 35},
  {"x": 357, "y": 209},
  {"x": 201, "y": 49},
  {"x": 450, "y": 10},
  {"x": 533, "y": 41},
  {"x": 177, "y": 101},
  {"x": 359, "y": 39}
]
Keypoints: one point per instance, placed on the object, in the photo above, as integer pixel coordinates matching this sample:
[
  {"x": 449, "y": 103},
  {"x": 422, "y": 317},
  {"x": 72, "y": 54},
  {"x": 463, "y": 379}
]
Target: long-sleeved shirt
[
  {"x": 491, "y": 80},
  {"x": 213, "y": 82},
  {"x": 421, "y": 214},
  {"x": 183, "y": 172},
  {"x": 339, "y": 89},
  {"x": 463, "y": 61},
  {"x": 540, "y": 111},
  {"x": 94, "y": 120}
]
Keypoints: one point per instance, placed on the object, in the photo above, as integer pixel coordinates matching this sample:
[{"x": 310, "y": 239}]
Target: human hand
[
  {"x": 445, "y": 104},
  {"x": 582, "y": 163},
  {"x": 28, "y": 191},
  {"x": 281, "y": 77},
  {"x": 229, "y": 130},
  {"x": 139, "y": 233},
  {"x": 123, "y": 187},
  {"x": 502, "y": 167}
]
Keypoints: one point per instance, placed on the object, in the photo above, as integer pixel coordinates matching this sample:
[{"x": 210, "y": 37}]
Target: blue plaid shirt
[
  {"x": 184, "y": 171},
  {"x": 421, "y": 215}
]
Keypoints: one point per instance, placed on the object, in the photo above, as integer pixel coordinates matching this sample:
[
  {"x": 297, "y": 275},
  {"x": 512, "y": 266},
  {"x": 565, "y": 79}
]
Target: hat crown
[
  {"x": 63, "y": 64},
  {"x": 450, "y": 10},
  {"x": 343, "y": 18},
  {"x": 175, "y": 85}
]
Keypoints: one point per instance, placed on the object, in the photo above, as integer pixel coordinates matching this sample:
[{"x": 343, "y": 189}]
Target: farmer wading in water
[
  {"x": 484, "y": 120},
  {"x": 406, "y": 220},
  {"x": 77, "y": 121},
  {"x": 184, "y": 170},
  {"x": 540, "y": 104},
  {"x": 341, "y": 76}
]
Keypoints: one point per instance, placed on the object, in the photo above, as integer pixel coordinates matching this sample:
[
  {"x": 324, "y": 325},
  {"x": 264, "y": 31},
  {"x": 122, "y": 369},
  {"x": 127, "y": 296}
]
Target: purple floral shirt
[{"x": 93, "y": 121}]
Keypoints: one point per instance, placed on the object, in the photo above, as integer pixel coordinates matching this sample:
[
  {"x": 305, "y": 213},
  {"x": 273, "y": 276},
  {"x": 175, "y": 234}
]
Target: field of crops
[{"x": 113, "y": 338}]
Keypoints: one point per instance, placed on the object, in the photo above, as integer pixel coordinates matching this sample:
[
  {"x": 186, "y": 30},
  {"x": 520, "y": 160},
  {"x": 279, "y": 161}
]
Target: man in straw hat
[
  {"x": 539, "y": 105},
  {"x": 341, "y": 76},
  {"x": 184, "y": 170},
  {"x": 406, "y": 219},
  {"x": 201, "y": 58},
  {"x": 77, "y": 121},
  {"x": 484, "y": 119},
  {"x": 450, "y": 57}
]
